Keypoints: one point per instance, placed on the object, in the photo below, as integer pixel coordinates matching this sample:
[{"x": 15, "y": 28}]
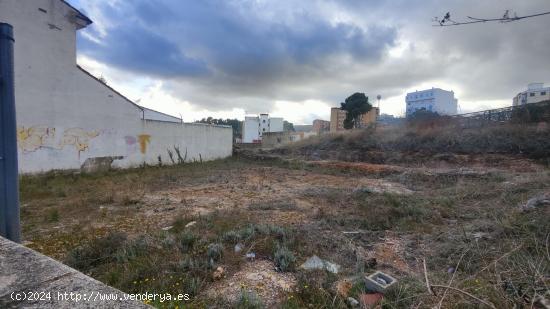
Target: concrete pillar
[{"x": 9, "y": 178}]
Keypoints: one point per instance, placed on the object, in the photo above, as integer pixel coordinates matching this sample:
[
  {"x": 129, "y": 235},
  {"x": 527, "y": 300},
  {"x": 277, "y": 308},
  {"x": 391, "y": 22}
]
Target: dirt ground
[{"x": 348, "y": 213}]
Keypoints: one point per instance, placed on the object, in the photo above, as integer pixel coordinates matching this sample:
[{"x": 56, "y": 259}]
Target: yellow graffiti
[
  {"x": 144, "y": 140},
  {"x": 31, "y": 139},
  {"x": 34, "y": 138}
]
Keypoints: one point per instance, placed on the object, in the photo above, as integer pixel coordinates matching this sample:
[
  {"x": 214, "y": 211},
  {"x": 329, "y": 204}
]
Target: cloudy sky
[{"x": 296, "y": 59}]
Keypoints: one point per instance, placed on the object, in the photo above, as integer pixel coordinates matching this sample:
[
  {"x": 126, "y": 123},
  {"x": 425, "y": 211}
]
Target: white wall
[
  {"x": 276, "y": 125},
  {"x": 65, "y": 116},
  {"x": 437, "y": 100},
  {"x": 200, "y": 141},
  {"x": 445, "y": 102},
  {"x": 254, "y": 127},
  {"x": 149, "y": 114},
  {"x": 251, "y": 129}
]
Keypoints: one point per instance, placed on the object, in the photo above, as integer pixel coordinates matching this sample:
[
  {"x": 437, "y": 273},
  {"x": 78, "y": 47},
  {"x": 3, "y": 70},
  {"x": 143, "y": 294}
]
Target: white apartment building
[
  {"x": 536, "y": 92},
  {"x": 435, "y": 100},
  {"x": 255, "y": 126}
]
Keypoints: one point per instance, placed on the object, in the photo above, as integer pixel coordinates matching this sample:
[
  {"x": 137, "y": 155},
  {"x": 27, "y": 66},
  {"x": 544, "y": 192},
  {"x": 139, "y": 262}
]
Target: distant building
[
  {"x": 385, "y": 119},
  {"x": 536, "y": 92},
  {"x": 255, "y": 126},
  {"x": 275, "y": 139},
  {"x": 320, "y": 126},
  {"x": 303, "y": 127},
  {"x": 337, "y": 117},
  {"x": 435, "y": 100}
]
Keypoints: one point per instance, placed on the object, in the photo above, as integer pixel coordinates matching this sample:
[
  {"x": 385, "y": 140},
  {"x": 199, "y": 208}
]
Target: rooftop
[{"x": 86, "y": 21}]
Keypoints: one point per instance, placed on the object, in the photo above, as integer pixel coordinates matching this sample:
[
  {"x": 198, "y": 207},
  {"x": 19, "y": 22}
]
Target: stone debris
[
  {"x": 542, "y": 301},
  {"x": 238, "y": 248},
  {"x": 251, "y": 256},
  {"x": 219, "y": 273},
  {"x": 315, "y": 262},
  {"x": 259, "y": 277},
  {"x": 480, "y": 235},
  {"x": 344, "y": 287},
  {"x": 536, "y": 202},
  {"x": 352, "y": 302},
  {"x": 190, "y": 224}
]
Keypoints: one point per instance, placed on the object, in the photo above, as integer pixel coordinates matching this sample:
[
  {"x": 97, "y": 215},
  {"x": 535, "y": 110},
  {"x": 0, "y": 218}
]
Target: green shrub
[
  {"x": 187, "y": 263},
  {"x": 53, "y": 215},
  {"x": 231, "y": 236},
  {"x": 284, "y": 259},
  {"x": 186, "y": 240},
  {"x": 132, "y": 249},
  {"x": 167, "y": 241},
  {"x": 404, "y": 294},
  {"x": 249, "y": 300},
  {"x": 98, "y": 251},
  {"x": 214, "y": 252}
]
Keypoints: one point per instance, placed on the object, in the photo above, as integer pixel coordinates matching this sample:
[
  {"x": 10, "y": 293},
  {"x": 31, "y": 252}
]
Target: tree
[
  {"x": 288, "y": 126},
  {"x": 423, "y": 115},
  {"x": 356, "y": 105},
  {"x": 234, "y": 123}
]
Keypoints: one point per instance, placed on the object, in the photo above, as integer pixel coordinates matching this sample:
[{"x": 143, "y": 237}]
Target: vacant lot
[{"x": 187, "y": 229}]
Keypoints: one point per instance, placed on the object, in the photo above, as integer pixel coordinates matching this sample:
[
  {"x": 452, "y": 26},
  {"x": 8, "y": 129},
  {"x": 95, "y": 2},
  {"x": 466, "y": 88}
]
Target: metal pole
[{"x": 9, "y": 178}]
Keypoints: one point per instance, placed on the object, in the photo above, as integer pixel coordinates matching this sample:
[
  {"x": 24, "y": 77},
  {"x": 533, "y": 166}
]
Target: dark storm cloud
[
  {"x": 231, "y": 44},
  {"x": 249, "y": 53},
  {"x": 141, "y": 50}
]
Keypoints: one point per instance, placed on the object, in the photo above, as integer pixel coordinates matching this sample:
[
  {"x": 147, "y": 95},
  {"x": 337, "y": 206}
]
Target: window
[
  {"x": 532, "y": 94},
  {"x": 264, "y": 120},
  {"x": 543, "y": 93}
]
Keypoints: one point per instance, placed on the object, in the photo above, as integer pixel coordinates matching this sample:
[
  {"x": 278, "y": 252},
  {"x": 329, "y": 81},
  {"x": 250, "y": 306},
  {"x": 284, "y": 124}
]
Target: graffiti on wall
[
  {"x": 144, "y": 141},
  {"x": 34, "y": 138},
  {"x": 132, "y": 142}
]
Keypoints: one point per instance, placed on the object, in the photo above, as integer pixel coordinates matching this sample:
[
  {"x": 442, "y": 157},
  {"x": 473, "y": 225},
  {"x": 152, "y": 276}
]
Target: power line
[{"x": 446, "y": 21}]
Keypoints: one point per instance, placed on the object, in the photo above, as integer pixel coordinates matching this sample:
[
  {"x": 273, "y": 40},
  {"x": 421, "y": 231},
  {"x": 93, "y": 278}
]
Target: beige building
[
  {"x": 275, "y": 139},
  {"x": 536, "y": 92},
  {"x": 320, "y": 126},
  {"x": 337, "y": 117}
]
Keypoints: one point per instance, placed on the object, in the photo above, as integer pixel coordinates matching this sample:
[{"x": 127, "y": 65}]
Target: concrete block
[
  {"x": 379, "y": 282},
  {"x": 23, "y": 270}
]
